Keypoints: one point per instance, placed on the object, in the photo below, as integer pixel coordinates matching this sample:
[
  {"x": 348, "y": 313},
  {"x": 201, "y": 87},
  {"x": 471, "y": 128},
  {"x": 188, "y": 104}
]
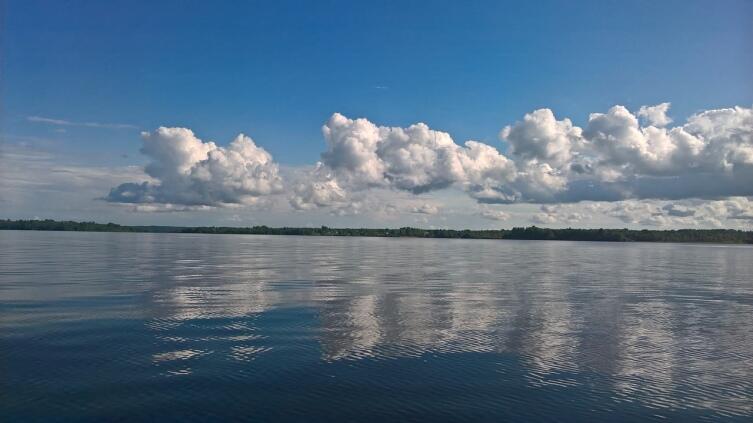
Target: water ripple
[{"x": 195, "y": 327}]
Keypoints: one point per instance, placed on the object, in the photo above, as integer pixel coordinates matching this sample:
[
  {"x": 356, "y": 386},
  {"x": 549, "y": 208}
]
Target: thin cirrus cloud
[
  {"x": 617, "y": 155},
  {"x": 62, "y": 122}
]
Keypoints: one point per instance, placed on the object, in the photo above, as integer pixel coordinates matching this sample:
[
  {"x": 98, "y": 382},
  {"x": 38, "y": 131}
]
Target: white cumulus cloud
[
  {"x": 614, "y": 157},
  {"x": 655, "y": 115},
  {"x": 191, "y": 172},
  {"x": 541, "y": 137},
  {"x": 416, "y": 159},
  {"x": 618, "y": 156}
]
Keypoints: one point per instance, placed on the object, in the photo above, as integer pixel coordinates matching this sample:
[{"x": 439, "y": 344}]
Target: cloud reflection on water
[{"x": 668, "y": 325}]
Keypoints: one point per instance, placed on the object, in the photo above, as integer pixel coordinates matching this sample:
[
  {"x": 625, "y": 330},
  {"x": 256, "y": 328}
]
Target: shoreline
[{"x": 715, "y": 236}]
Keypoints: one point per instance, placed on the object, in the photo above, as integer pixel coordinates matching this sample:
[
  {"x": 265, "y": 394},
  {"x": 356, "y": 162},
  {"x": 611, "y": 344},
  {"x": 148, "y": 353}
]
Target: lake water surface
[{"x": 104, "y": 326}]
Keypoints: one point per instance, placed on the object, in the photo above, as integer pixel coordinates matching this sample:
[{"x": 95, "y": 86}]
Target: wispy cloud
[{"x": 62, "y": 122}]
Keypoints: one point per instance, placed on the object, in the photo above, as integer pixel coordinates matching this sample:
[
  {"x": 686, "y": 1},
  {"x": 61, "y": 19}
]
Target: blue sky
[{"x": 278, "y": 70}]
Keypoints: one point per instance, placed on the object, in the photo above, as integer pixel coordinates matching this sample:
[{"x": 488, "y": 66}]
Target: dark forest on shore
[{"x": 727, "y": 236}]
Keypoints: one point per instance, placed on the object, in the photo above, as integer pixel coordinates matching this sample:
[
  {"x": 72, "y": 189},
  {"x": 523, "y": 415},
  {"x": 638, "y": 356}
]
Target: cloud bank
[
  {"x": 628, "y": 159},
  {"x": 614, "y": 157}
]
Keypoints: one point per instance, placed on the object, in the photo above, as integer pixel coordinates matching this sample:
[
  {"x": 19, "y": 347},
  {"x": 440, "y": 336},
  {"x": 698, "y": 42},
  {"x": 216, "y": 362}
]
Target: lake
[{"x": 107, "y": 326}]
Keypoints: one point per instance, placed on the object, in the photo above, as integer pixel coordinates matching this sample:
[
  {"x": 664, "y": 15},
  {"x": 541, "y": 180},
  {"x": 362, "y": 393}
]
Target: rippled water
[{"x": 143, "y": 326}]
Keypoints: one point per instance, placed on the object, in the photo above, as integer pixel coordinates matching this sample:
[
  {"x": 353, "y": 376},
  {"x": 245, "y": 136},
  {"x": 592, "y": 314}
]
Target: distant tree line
[{"x": 728, "y": 236}]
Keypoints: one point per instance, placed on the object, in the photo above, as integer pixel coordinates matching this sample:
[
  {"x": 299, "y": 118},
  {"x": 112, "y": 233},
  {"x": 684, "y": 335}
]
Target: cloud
[
  {"x": 647, "y": 213},
  {"x": 36, "y": 182},
  {"x": 425, "y": 208},
  {"x": 30, "y": 172},
  {"x": 541, "y": 137},
  {"x": 497, "y": 215},
  {"x": 317, "y": 188},
  {"x": 61, "y": 122},
  {"x": 733, "y": 212},
  {"x": 190, "y": 172},
  {"x": 165, "y": 208},
  {"x": 678, "y": 210},
  {"x": 616, "y": 158},
  {"x": 550, "y": 160},
  {"x": 740, "y": 208},
  {"x": 543, "y": 218},
  {"x": 568, "y": 214},
  {"x": 655, "y": 115},
  {"x": 416, "y": 159},
  {"x": 730, "y": 212}
]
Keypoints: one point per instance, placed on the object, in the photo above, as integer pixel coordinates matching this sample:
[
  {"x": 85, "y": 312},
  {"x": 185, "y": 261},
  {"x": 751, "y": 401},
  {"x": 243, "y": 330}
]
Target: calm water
[{"x": 144, "y": 326}]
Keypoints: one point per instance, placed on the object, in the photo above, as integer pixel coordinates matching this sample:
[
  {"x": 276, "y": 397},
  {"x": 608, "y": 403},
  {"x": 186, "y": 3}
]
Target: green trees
[
  {"x": 531, "y": 232},
  {"x": 52, "y": 225}
]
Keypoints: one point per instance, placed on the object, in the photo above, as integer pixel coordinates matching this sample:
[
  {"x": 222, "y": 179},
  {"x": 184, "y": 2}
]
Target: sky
[{"x": 379, "y": 114}]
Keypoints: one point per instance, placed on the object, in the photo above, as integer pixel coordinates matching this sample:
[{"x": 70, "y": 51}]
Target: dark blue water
[{"x": 209, "y": 327}]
